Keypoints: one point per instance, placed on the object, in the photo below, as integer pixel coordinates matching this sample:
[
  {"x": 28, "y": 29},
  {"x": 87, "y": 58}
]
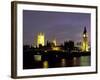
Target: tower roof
[{"x": 85, "y": 31}]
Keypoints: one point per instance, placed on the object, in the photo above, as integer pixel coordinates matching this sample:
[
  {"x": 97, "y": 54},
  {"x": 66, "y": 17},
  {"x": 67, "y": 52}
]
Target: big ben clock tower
[{"x": 85, "y": 41}]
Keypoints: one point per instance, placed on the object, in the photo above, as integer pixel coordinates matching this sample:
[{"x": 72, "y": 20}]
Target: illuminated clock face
[{"x": 84, "y": 35}]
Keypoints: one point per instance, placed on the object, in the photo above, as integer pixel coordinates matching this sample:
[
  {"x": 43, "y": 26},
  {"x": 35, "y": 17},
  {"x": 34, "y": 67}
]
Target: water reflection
[
  {"x": 85, "y": 60},
  {"x": 76, "y": 61},
  {"x": 63, "y": 62},
  {"x": 45, "y": 64}
]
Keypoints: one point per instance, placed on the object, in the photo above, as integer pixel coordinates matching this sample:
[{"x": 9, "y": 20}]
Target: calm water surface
[{"x": 63, "y": 62}]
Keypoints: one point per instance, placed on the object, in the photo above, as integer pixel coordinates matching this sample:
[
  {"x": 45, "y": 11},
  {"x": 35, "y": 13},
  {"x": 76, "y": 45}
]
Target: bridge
[{"x": 61, "y": 54}]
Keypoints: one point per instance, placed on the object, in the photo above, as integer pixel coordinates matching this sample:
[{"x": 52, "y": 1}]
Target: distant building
[
  {"x": 85, "y": 46},
  {"x": 78, "y": 46},
  {"x": 40, "y": 39},
  {"x": 69, "y": 45},
  {"x": 54, "y": 42}
]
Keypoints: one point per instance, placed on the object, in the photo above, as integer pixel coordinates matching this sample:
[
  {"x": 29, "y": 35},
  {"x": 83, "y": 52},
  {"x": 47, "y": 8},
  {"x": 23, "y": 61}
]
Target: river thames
[{"x": 62, "y": 62}]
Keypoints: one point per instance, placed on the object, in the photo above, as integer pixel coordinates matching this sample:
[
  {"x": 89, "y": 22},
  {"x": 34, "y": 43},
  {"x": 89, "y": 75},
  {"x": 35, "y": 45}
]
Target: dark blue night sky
[{"x": 60, "y": 25}]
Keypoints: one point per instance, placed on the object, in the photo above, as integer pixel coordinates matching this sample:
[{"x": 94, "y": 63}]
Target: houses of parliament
[{"x": 40, "y": 40}]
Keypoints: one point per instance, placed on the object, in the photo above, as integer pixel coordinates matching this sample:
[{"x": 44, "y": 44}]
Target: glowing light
[
  {"x": 54, "y": 42},
  {"x": 63, "y": 62},
  {"x": 84, "y": 46},
  {"x": 40, "y": 39},
  {"x": 55, "y": 48},
  {"x": 37, "y": 57},
  {"x": 45, "y": 51},
  {"x": 84, "y": 35},
  {"x": 45, "y": 64}
]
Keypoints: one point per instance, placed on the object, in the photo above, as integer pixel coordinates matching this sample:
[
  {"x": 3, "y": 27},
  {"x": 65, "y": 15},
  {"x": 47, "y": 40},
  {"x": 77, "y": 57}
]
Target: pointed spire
[{"x": 85, "y": 31}]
